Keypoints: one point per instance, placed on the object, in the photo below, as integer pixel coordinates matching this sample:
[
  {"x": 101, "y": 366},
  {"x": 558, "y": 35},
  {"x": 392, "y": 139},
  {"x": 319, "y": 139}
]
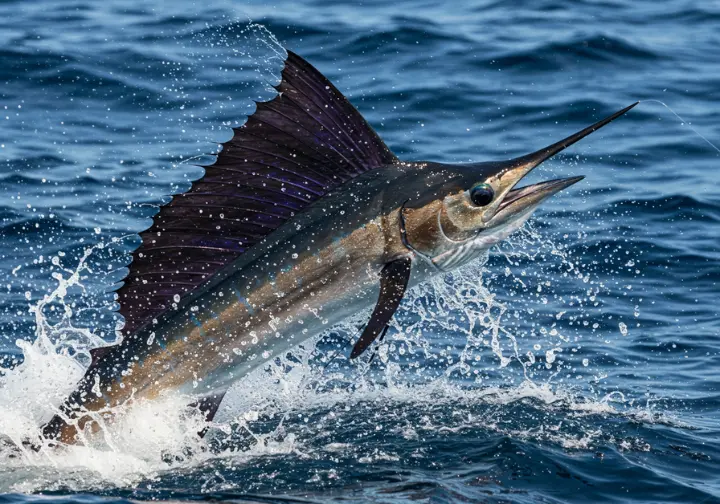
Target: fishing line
[
  {"x": 196, "y": 157},
  {"x": 684, "y": 122}
]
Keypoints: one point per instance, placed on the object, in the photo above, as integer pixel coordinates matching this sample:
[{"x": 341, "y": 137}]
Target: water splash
[
  {"x": 477, "y": 382},
  {"x": 480, "y": 348},
  {"x": 486, "y": 370},
  {"x": 52, "y": 363}
]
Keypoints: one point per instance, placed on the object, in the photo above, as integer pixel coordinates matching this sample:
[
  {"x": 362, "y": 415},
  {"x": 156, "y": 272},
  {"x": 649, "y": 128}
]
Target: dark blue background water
[{"x": 102, "y": 102}]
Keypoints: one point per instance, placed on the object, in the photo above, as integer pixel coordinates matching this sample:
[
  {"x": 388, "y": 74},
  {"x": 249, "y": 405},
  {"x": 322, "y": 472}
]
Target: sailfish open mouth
[
  {"x": 513, "y": 201},
  {"x": 536, "y": 192}
]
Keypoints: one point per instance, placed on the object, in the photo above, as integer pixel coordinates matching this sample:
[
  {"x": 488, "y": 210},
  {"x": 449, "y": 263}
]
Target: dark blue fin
[
  {"x": 98, "y": 353},
  {"x": 292, "y": 151},
  {"x": 208, "y": 406},
  {"x": 394, "y": 279},
  {"x": 382, "y": 336}
]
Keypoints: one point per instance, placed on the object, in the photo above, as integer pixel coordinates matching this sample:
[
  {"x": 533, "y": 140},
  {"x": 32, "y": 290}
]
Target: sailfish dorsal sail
[{"x": 292, "y": 151}]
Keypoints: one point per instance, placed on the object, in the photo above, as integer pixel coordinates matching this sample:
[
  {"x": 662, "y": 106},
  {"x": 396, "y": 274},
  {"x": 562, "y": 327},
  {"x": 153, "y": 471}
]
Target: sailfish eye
[{"x": 482, "y": 195}]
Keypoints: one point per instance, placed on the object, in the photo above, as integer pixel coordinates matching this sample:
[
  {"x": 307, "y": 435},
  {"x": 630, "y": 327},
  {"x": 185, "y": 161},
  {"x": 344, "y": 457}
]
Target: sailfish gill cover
[{"x": 576, "y": 362}]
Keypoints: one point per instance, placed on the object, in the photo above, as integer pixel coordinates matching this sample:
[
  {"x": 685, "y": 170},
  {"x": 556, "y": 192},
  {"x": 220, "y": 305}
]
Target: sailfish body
[{"x": 305, "y": 218}]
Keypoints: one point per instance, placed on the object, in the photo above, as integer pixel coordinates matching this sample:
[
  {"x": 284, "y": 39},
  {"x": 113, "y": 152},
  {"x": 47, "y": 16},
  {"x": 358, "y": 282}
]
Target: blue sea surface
[{"x": 578, "y": 364}]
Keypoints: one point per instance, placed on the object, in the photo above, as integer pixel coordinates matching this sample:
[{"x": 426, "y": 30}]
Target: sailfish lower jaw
[{"x": 526, "y": 199}]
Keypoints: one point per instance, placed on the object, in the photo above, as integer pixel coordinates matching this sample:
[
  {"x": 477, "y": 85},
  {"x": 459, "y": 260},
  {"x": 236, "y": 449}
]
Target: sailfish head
[{"x": 474, "y": 206}]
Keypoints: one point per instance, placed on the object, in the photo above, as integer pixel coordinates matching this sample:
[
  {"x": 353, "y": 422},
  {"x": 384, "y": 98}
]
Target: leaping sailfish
[{"x": 305, "y": 218}]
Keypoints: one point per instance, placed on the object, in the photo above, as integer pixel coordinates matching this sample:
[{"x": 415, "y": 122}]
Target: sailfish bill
[{"x": 305, "y": 218}]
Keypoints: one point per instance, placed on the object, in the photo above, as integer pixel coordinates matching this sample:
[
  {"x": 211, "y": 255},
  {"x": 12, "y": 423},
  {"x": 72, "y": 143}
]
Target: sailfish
[{"x": 305, "y": 218}]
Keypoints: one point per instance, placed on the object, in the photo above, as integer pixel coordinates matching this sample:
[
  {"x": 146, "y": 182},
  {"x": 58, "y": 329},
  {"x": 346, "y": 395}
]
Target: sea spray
[{"x": 301, "y": 401}]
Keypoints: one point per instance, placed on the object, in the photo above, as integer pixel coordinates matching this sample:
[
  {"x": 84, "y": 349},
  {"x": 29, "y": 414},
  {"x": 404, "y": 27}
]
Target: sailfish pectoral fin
[{"x": 394, "y": 279}]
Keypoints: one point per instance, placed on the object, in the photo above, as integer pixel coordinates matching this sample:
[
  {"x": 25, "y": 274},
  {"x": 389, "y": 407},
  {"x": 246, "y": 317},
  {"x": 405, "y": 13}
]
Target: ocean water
[{"x": 577, "y": 363}]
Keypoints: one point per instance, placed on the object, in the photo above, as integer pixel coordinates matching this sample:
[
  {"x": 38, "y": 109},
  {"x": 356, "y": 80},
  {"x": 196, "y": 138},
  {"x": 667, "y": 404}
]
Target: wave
[
  {"x": 672, "y": 205},
  {"x": 401, "y": 36},
  {"x": 597, "y": 49},
  {"x": 522, "y": 386},
  {"x": 681, "y": 207},
  {"x": 18, "y": 62}
]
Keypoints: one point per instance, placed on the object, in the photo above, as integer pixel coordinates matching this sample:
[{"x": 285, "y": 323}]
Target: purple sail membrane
[{"x": 292, "y": 150}]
